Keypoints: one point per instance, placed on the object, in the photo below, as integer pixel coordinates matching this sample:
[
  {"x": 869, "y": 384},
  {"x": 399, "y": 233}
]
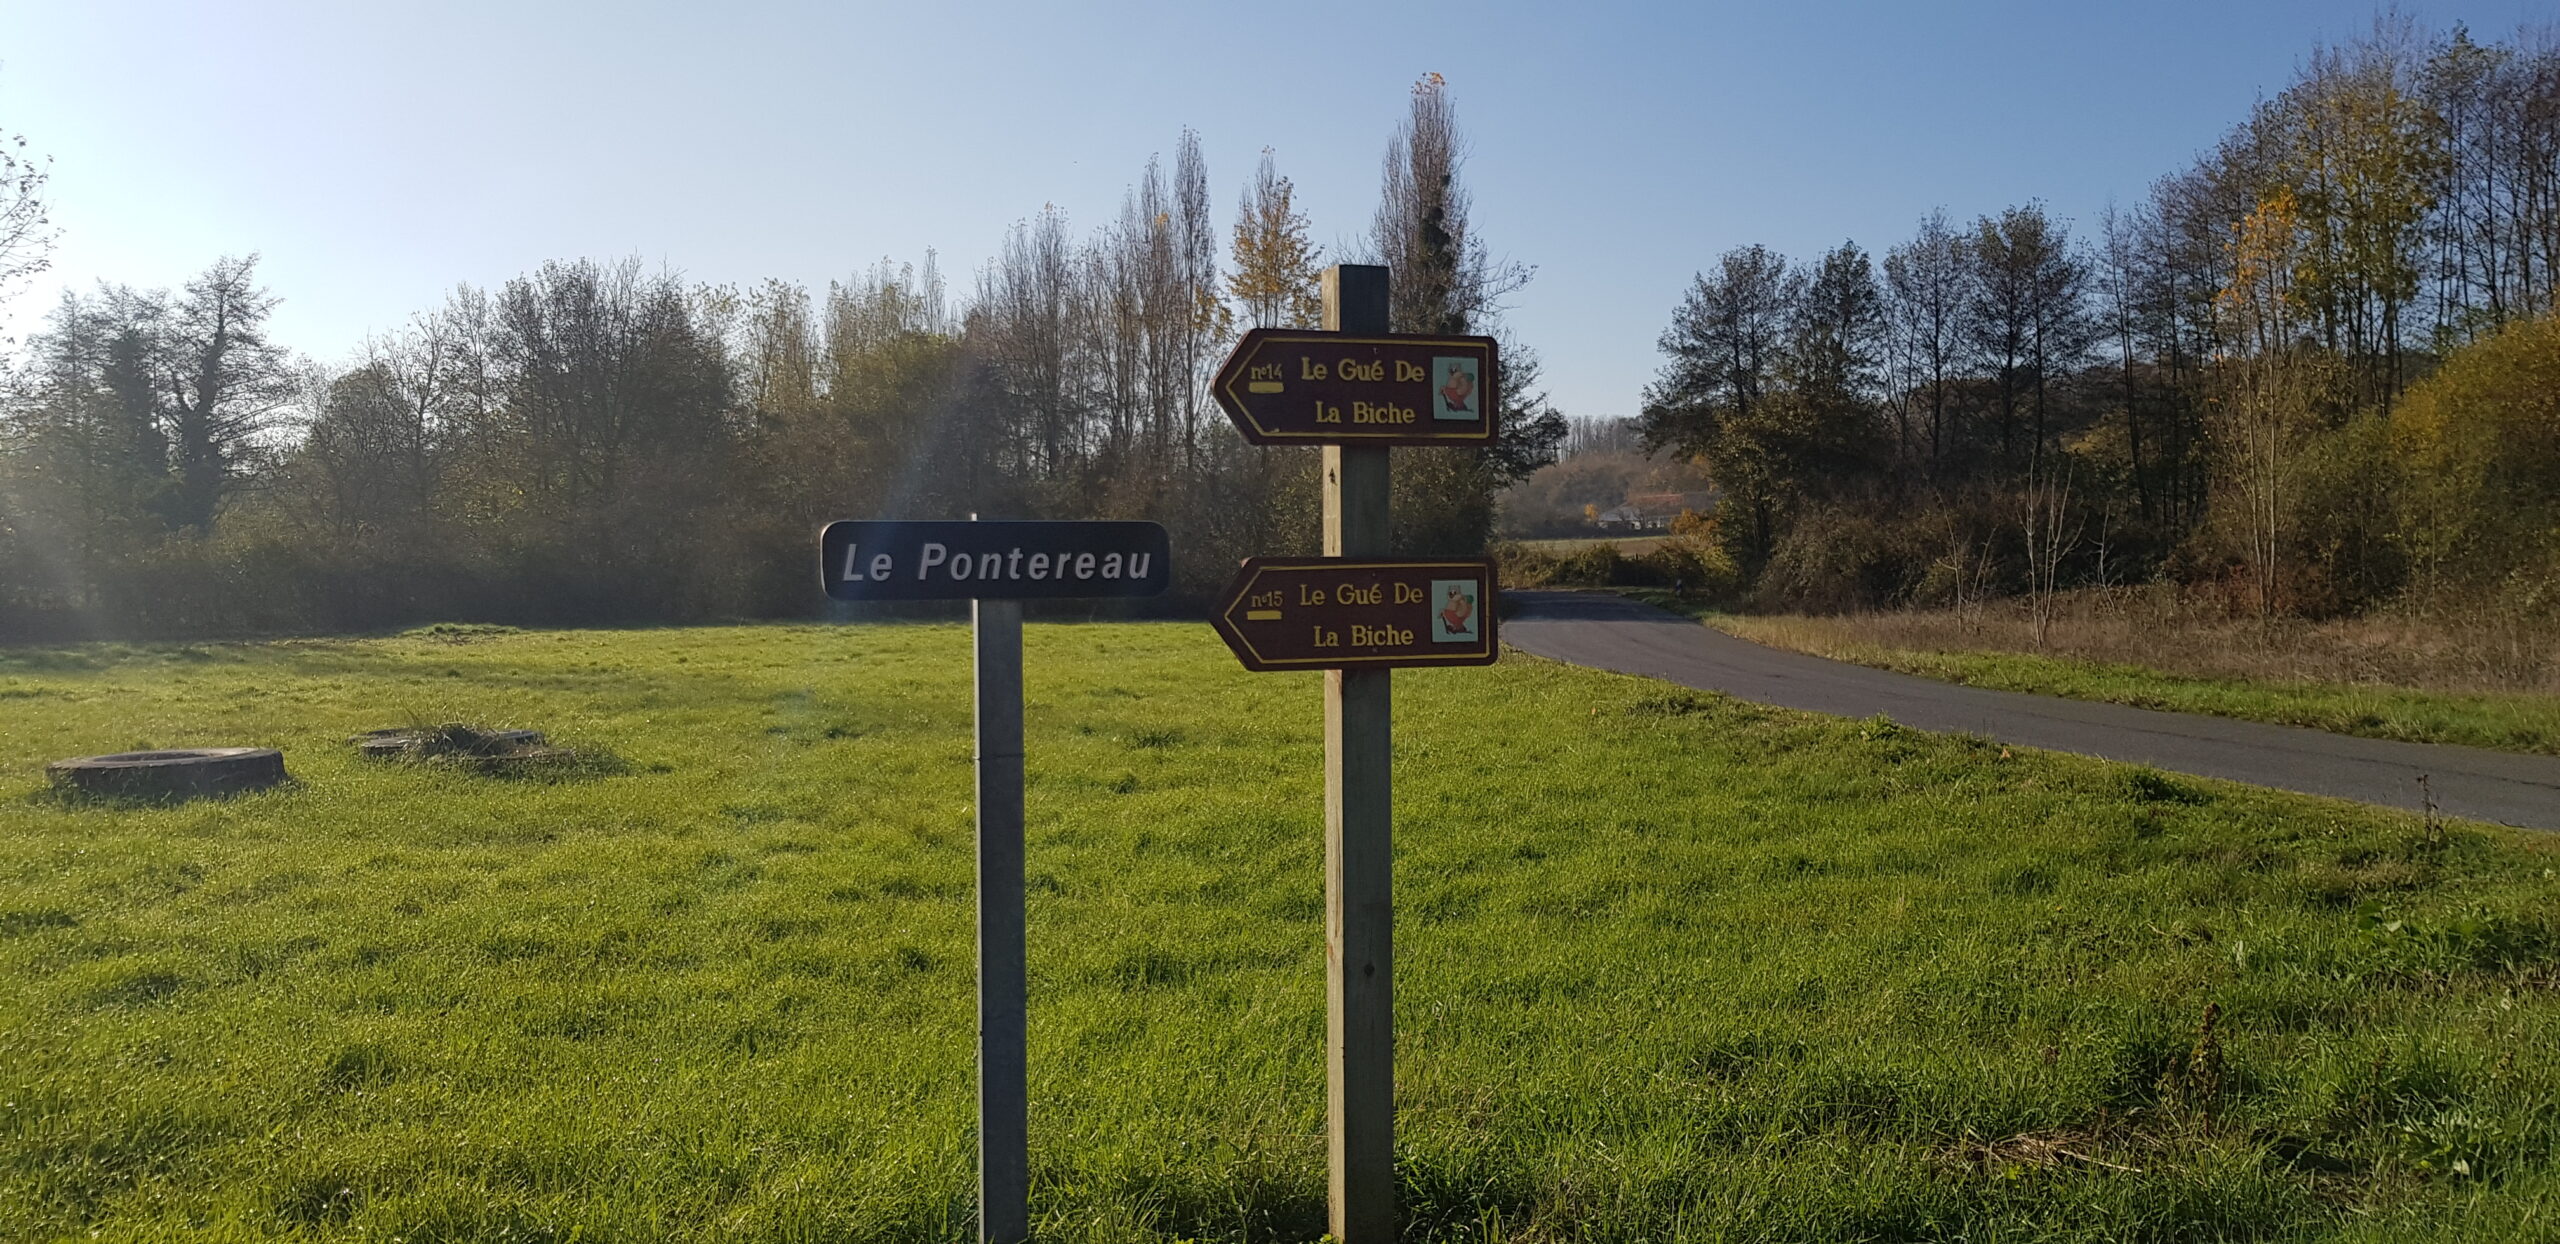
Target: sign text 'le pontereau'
[
  {"x": 1285, "y": 613},
  {"x": 1287, "y": 387},
  {"x": 951, "y": 560}
]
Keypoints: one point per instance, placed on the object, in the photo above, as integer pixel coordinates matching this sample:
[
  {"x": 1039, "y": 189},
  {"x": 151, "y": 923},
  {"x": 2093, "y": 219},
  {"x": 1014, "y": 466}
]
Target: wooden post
[
  {"x": 1004, "y": 1109},
  {"x": 1359, "y": 919}
]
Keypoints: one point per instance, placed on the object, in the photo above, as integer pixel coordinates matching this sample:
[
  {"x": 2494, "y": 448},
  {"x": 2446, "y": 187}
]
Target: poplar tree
[
  {"x": 1445, "y": 279},
  {"x": 1445, "y": 282},
  {"x": 1205, "y": 321}
]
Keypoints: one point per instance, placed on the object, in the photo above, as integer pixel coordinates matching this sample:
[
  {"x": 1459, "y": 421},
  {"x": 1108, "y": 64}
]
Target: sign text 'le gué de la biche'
[
  {"x": 1287, "y": 387},
  {"x": 1285, "y": 613}
]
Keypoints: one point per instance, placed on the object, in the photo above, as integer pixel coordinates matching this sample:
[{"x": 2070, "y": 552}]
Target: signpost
[
  {"x": 1295, "y": 613},
  {"x": 1360, "y": 386},
  {"x": 996, "y": 566},
  {"x": 1356, "y": 613}
]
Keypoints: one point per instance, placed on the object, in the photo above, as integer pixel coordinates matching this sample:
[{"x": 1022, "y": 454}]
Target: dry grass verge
[{"x": 2481, "y": 680}]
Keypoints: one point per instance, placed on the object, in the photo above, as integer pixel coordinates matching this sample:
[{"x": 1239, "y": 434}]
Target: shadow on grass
[
  {"x": 73, "y": 799},
  {"x": 1435, "y": 1199}
]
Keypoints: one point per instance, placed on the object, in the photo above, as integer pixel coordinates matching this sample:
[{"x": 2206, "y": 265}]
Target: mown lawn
[
  {"x": 2511, "y": 721},
  {"x": 1670, "y": 966}
]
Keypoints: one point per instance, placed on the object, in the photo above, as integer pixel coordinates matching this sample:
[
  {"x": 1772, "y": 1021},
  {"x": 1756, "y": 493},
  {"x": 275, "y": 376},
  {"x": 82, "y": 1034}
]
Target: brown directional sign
[
  {"x": 1288, "y": 387},
  {"x": 1312, "y": 613}
]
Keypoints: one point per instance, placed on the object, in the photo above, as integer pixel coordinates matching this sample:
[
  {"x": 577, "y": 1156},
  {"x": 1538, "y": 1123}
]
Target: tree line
[
  {"x": 2300, "y": 371},
  {"x": 597, "y": 442}
]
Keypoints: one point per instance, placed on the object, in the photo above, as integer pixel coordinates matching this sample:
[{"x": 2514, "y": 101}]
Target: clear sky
[{"x": 377, "y": 153}]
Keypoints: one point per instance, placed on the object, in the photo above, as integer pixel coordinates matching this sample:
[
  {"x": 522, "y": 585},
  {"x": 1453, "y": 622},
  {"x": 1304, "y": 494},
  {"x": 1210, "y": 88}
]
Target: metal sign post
[
  {"x": 995, "y": 566},
  {"x": 1004, "y": 1090}
]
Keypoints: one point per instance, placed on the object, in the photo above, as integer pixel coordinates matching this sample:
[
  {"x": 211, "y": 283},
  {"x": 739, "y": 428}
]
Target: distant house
[{"x": 1652, "y": 511}]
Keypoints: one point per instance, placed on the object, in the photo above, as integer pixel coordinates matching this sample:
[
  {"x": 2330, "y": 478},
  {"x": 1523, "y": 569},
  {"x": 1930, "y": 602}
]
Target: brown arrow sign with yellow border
[
  {"x": 1290, "y": 387},
  {"x": 1313, "y": 613}
]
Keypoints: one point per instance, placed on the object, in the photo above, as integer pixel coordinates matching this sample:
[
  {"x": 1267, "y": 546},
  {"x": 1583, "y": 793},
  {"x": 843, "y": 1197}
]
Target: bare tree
[
  {"x": 1202, "y": 325},
  {"x": 2051, "y": 533},
  {"x": 2267, "y": 383},
  {"x": 1724, "y": 343},
  {"x": 26, "y": 228},
  {"x": 1925, "y": 279},
  {"x": 1023, "y": 326},
  {"x": 2120, "y": 287},
  {"x": 778, "y": 355},
  {"x": 2028, "y": 319}
]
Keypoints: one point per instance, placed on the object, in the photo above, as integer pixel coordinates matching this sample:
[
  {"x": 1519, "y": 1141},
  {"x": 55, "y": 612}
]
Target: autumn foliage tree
[
  {"x": 2261, "y": 312},
  {"x": 1277, "y": 274}
]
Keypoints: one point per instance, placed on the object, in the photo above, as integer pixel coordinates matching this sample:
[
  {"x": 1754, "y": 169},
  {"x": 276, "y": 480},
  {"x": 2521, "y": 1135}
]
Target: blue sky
[{"x": 377, "y": 153}]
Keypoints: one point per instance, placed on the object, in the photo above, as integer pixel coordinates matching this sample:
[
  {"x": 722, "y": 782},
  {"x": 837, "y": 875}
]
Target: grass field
[
  {"x": 1671, "y": 967},
  {"x": 2521, "y": 721}
]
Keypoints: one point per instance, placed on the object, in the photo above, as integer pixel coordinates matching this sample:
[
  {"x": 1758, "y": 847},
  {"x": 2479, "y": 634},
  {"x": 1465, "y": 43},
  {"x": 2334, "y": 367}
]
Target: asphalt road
[{"x": 1613, "y": 633}]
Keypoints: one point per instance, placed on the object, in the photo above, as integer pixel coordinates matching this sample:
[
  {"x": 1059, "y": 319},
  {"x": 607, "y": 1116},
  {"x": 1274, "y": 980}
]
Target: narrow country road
[{"x": 1613, "y": 633}]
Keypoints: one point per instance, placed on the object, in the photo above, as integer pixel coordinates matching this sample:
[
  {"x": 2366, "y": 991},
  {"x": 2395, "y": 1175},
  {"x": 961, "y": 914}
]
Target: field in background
[
  {"x": 1670, "y": 966},
  {"x": 2481, "y": 682},
  {"x": 1627, "y": 546}
]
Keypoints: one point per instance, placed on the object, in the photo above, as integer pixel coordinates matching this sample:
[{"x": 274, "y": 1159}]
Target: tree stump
[
  {"x": 180, "y": 773},
  {"x": 422, "y": 742}
]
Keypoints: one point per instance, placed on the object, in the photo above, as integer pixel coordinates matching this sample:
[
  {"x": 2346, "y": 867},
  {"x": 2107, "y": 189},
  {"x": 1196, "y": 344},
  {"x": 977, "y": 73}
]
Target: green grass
[
  {"x": 2518, "y": 722},
  {"x": 1670, "y": 966}
]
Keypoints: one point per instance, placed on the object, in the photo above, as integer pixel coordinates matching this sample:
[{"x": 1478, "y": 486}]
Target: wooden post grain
[{"x": 1359, "y": 921}]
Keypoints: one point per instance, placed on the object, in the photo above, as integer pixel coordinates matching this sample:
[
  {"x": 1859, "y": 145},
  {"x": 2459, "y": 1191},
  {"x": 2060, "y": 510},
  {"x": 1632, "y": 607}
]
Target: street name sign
[
  {"x": 1291, "y": 387},
  {"x": 996, "y": 566},
  {"x": 1343, "y": 613},
  {"x": 953, "y": 560}
]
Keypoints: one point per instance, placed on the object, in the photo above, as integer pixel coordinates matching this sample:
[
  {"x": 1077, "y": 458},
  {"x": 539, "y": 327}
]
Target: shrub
[
  {"x": 2480, "y": 444},
  {"x": 1594, "y": 565},
  {"x": 1691, "y": 564},
  {"x": 2347, "y": 554},
  {"x": 1694, "y": 562},
  {"x": 1836, "y": 561},
  {"x": 1518, "y": 565}
]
